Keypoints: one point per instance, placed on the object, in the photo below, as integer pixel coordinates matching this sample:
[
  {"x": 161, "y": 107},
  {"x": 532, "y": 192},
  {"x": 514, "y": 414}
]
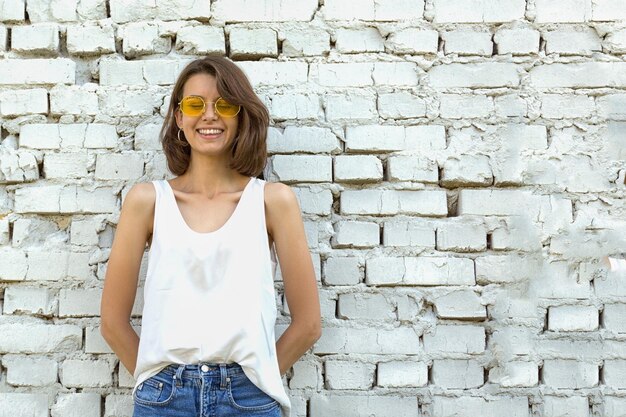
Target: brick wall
[{"x": 464, "y": 170}]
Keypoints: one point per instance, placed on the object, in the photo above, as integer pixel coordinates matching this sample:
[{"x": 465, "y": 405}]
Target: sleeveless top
[{"x": 209, "y": 297}]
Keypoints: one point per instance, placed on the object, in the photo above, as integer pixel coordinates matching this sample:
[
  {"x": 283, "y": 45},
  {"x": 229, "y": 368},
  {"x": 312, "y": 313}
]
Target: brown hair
[{"x": 249, "y": 148}]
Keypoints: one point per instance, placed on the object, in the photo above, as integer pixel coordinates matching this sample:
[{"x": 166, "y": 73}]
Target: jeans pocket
[
  {"x": 157, "y": 390},
  {"x": 244, "y": 395}
]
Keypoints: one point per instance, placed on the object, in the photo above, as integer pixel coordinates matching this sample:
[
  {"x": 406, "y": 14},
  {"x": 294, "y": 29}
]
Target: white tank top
[{"x": 209, "y": 297}]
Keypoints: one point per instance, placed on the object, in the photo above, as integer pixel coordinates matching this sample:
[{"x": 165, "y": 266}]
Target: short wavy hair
[{"x": 248, "y": 148}]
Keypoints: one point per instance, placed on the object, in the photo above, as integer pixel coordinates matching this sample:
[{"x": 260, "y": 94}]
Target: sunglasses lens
[
  {"x": 226, "y": 109},
  {"x": 192, "y": 106}
]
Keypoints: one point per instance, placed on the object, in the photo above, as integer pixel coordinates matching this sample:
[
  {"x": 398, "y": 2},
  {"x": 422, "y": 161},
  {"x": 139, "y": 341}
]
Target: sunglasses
[{"x": 195, "y": 106}]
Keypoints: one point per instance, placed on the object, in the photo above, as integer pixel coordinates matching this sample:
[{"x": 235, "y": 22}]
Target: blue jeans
[{"x": 202, "y": 390}]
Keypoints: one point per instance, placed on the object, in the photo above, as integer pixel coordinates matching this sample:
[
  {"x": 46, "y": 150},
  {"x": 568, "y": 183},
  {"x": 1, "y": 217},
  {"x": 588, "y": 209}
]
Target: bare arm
[
  {"x": 120, "y": 284},
  {"x": 287, "y": 230}
]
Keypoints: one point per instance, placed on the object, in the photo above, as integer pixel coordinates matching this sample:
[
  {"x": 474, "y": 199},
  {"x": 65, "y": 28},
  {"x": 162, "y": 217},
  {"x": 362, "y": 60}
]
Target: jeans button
[{"x": 204, "y": 368}]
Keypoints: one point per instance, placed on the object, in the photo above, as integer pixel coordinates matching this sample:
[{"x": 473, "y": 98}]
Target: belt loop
[
  {"x": 222, "y": 375},
  {"x": 179, "y": 375}
]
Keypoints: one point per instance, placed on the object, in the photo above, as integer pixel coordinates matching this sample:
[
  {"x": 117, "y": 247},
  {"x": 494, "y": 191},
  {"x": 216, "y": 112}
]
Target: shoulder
[
  {"x": 140, "y": 194},
  {"x": 280, "y": 201}
]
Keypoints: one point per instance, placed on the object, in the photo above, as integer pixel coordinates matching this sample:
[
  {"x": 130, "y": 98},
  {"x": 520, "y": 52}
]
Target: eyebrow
[{"x": 200, "y": 95}]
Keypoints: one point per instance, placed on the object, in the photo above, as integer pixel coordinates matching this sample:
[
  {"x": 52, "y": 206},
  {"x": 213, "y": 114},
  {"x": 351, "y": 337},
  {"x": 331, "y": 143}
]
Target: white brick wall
[{"x": 459, "y": 165}]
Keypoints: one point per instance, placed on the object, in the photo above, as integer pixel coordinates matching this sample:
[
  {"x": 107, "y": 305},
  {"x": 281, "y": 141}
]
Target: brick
[
  {"x": 18, "y": 167},
  {"x": 461, "y": 237},
  {"x": 306, "y": 374},
  {"x": 467, "y": 42},
  {"x": 21, "y": 102},
  {"x": 269, "y": 11},
  {"x": 73, "y": 100},
  {"x": 515, "y": 374},
  {"x": 498, "y": 202},
  {"x": 342, "y": 270},
  {"x": 506, "y": 268},
  {"x": 120, "y": 101},
  {"x": 477, "y": 406},
  {"x": 579, "y": 75},
  {"x": 32, "y": 337},
  {"x": 562, "y": 11},
  {"x": 478, "y": 11},
  {"x": 457, "y": 373},
  {"x": 565, "y": 407},
  {"x": 48, "y": 265},
  {"x": 614, "y": 371},
  {"x": 305, "y": 41},
  {"x": 252, "y": 43},
  {"x": 314, "y": 200},
  {"x": 126, "y": 166},
  {"x": 86, "y": 373},
  {"x": 481, "y": 75},
  {"x": 375, "y": 138},
  {"x": 60, "y": 199},
  {"x": 394, "y": 10},
  {"x": 614, "y": 406},
  {"x": 402, "y": 374},
  {"x": 55, "y": 10},
  {"x": 412, "y": 233},
  {"x": 3, "y": 38},
  {"x": 390, "y": 202},
  {"x": 516, "y": 235},
  {"x": 510, "y": 105},
  {"x": 350, "y": 106},
  {"x": 400, "y": 105},
  {"x": 467, "y": 170},
  {"x": 561, "y": 106},
  {"x": 85, "y": 231},
  {"x": 568, "y": 318},
  {"x": 584, "y": 41},
  {"x": 143, "y": 39},
  {"x": 396, "y": 73},
  {"x": 14, "y": 265},
  {"x": 123, "y": 11},
  {"x": 90, "y": 40},
  {"x": 262, "y": 73},
  {"x": 27, "y": 371},
  {"x": 86, "y": 404},
  {"x": 462, "y": 304},
  {"x": 574, "y": 374},
  {"x": 615, "y": 41},
  {"x": 79, "y": 302},
  {"x": 412, "y": 168},
  {"x": 66, "y": 165},
  {"x": 12, "y": 10},
  {"x": 359, "y": 40},
  {"x": 517, "y": 41},
  {"x": 559, "y": 280},
  {"x": 612, "y": 106},
  {"x": 37, "y": 71},
  {"x": 364, "y": 306},
  {"x": 455, "y": 339},
  {"x": 357, "y": 168},
  {"x": 419, "y": 271},
  {"x": 349, "y": 10},
  {"x": 608, "y": 10},
  {"x": 356, "y": 234},
  {"x": 309, "y": 168},
  {"x": 349, "y": 74},
  {"x": 401, "y": 340},
  {"x": 379, "y": 406},
  {"x": 100, "y": 135},
  {"x": 35, "y": 405},
  {"x": 513, "y": 341},
  {"x": 413, "y": 41},
  {"x": 40, "y": 38},
  {"x": 296, "y": 106},
  {"x": 200, "y": 40},
  {"x": 341, "y": 374},
  {"x": 91, "y": 10},
  {"x": 614, "y": 317},
  {"x": 455, "y": 106},
  {"x": 29, "y": 300},
  {"x": 307, "y": 139}
]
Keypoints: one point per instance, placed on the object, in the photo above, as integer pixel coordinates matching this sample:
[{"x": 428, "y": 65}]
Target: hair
[{"x": 248, "y": 148}]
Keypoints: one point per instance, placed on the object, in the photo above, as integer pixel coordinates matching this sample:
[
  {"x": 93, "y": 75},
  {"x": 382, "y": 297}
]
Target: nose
[{"x": 210, "y": 109}]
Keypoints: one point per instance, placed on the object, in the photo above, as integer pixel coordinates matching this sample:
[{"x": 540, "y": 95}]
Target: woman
[{"x": 207, "y": 338}]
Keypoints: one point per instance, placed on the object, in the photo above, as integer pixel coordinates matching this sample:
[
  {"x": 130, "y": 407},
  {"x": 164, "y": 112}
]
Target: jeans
[{"x": 202, "y": 390}]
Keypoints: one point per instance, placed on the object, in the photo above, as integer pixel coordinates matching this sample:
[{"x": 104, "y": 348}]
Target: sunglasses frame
[{"x": 204, "y": 103}]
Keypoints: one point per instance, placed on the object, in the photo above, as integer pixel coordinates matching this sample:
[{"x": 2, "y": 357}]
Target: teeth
[{"x": 210, "y": 131}]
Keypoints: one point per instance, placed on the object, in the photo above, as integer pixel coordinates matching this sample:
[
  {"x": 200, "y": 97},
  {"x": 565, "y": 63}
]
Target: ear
[{"x": 179, "y": 118}]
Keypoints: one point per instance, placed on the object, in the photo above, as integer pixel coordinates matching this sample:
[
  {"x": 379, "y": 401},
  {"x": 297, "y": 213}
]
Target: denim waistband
[{"x": 196, "y": 370}]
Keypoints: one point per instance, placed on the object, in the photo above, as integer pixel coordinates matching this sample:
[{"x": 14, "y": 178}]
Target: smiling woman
[{"x": 216, "y": 232}]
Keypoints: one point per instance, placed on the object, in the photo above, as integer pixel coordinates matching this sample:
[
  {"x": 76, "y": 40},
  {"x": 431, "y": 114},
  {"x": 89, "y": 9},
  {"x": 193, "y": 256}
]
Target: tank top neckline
[{"x": 223, "y": 226}]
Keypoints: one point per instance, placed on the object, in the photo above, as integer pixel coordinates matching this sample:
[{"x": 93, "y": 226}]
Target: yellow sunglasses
[{"x": 194, "y": 106}]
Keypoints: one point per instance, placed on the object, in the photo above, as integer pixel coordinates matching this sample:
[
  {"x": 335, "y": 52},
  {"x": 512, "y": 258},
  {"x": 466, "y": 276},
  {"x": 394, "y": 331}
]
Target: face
[{"x": 194, "y": 127}]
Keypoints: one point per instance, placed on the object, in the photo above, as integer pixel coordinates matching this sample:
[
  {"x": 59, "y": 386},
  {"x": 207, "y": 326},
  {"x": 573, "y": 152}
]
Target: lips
[{"x": 209, "y": 133}]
